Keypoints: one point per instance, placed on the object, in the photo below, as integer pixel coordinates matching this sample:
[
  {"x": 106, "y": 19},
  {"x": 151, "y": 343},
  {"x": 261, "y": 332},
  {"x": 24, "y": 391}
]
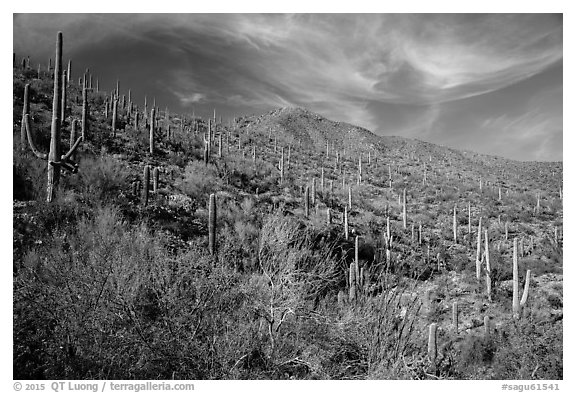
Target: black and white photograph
[{"x": 225, "y": 196}]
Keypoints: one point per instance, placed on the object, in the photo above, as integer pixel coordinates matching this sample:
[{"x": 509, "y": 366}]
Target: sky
[{"x": 490, "y": 83}]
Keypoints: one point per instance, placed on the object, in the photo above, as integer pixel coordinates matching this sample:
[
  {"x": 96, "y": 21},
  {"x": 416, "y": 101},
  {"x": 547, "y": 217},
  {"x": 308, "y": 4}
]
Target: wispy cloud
[{"x": 336, "y": 64}]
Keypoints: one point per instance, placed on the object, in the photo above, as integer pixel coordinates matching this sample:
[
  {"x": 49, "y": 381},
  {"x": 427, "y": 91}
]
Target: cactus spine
[{"x": 212, "y": 224}]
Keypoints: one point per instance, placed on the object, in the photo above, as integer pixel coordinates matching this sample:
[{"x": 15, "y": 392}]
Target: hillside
[{"x": 115, "y": 278}]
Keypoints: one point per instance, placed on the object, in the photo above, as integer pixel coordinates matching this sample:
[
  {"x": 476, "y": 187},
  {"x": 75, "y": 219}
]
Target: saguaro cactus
[
  {"x": 486, "y": 325},
  {"x": 349, "y": 198},
  {"x": 455, "y": 316},
  {"x": 307, "y": 202},
  {"x": 356, "y": 257},
  {"x": 432, "y": 348},
  {"x": 515, "y": 299},
  {"x": 220, "y": 148},
  {"x": 352, "y": 283},
  {"x": 155, "y": 175},
  {"x": 313, "y": 195},
  {"x": 64, "y": 90},
  {"x": 455, "y": 225},
  {"x": 56, "y": 161},
  {"x": 280, "y": 166},
  {"x": 84, "y": 112},
  {"x": 526, "y": 289},
  {"x": 359, "y": 169},
  {"x": 73, "y": 138},
  {"x": 25, "y": 111},
  {"x": 488, "y": 268},
  {"x": 114, "y": 116},
  {"x": 212, "y": 224},
  {"x": 479, "y": 251},
  {"x": 152, "y": 117},
  {"x": 146, "y": 183},
  {"x": 469, "y": 223},
  {"x": 346, "y": 222},
  {"x": 404, "y": 213}
]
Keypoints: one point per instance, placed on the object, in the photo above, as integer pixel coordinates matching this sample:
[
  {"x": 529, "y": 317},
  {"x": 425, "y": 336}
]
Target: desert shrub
[
  {"x": 115, "y": 305},
  {"x": 101, "y": 178},
  {"x": 29, "y": 176},
  {"x": 199, "y": 180},
  {"x": 526, "y": 350}
]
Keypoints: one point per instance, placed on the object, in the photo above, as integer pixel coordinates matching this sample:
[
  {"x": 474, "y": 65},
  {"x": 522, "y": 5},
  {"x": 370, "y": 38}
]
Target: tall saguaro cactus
[
  {"x": 84, "y": 112},
  {"x": 479, "y": 251},
  {"x": 488, "y": 267},
  {"x": 25, "y": 111},
  {"x": 515, "y": 299},
  {"x": 346, "y": 222},
  {"x": 56, "y": 161},
  {"x": 212, "y": 224},
  {"x": 54, "y": 154},
  {"x": 114, "y": 116}
]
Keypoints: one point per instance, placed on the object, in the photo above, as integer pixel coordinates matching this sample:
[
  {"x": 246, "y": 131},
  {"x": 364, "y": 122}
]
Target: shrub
[{"x": 199, "y": 180}]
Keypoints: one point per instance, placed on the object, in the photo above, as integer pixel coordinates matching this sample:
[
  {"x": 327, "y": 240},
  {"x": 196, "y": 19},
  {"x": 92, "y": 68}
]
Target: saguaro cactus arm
[
  {"x": 72, "y": 150},
  {"x": 33, "y": 147},
  {"x": 526, "y": 289}
]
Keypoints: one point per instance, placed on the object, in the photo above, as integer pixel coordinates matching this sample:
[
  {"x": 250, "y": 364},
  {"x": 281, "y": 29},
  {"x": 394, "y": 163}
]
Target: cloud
[{"x": 336, "y": 64}]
